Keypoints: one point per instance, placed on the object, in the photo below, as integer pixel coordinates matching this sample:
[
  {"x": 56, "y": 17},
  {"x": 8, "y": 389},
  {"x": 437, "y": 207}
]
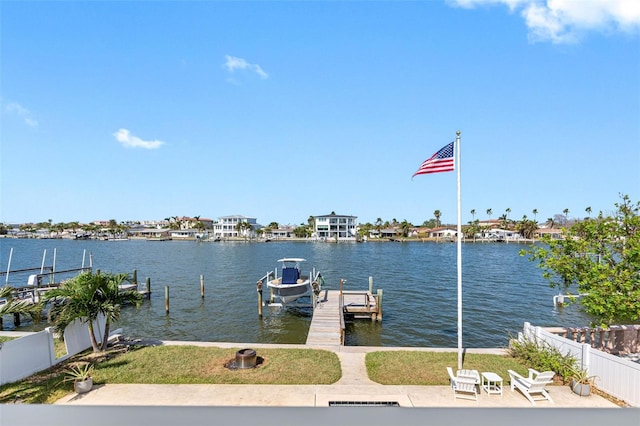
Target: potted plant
[
  {"x": 581, "y": 381},
  {"x": 80, "y": 375}
]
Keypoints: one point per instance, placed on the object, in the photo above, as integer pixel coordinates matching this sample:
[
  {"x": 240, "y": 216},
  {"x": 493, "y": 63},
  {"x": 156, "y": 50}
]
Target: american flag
[{"x": 441, "y": 161}]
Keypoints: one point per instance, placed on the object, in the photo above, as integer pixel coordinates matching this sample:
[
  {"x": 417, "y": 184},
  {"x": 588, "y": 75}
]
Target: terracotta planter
[{"x": 83, "y": 386}]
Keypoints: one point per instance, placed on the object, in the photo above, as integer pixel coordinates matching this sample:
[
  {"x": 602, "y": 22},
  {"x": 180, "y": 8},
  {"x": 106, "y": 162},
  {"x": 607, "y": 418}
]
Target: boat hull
[{"x": 288, "y": 293}]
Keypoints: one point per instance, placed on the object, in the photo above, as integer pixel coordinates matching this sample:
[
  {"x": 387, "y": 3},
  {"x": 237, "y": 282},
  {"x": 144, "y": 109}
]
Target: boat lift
[
  {"x": 558, "y": 299},
  {"x": 34, "y": 287}
]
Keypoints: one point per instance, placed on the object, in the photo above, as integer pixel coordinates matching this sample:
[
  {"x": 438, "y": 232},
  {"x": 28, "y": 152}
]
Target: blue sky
[{"x": 281, "y": 110}]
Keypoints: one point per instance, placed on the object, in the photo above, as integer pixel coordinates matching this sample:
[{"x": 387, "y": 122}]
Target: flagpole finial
[{"x": 458, "y": 133}]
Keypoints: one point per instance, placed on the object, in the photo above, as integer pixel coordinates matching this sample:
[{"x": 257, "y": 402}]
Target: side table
[{"x": 492, "y": 383}]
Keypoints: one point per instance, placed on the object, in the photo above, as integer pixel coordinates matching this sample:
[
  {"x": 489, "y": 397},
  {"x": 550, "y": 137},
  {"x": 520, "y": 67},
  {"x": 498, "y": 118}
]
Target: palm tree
[
  {"x": 566, "y": 216},
  {"x": 87, "y": 296},
  {"x": 504, "y": 222},
  {"x": 405, "y": 226},
  {"x": 535, "y": 215},
  {"x": 242, "y": 228},
  {"x": 112, "y": 299},
  {"x": 588, "y": 210},
  {"x": 199, "y": 225},
  {"x": 489, "y": 211},
  {"x": 437, "y": 215},
  {"x": 473, "y": 214},
  {"x": 378, "y": 225}
]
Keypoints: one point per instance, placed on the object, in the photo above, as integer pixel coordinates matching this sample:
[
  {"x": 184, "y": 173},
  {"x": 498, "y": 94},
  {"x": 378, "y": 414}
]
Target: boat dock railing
[{"x": 361, "y": 303}]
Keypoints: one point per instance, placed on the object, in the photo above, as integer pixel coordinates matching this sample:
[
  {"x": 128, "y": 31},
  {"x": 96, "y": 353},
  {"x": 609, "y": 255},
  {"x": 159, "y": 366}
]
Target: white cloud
[
  {"x": 130, "y": 141},
  {"x": 23, "y": 113},
  {"x": 564, "y": 21},
  {"x": 232, "y": 64}
]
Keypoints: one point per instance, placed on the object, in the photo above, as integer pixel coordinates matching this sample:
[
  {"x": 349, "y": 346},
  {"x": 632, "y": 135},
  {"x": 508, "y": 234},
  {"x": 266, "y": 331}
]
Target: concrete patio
[{"x": 354, "y": 387}]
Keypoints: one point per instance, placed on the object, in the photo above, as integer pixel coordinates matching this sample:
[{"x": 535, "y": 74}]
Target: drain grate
[{"x": 363, "y": 404}]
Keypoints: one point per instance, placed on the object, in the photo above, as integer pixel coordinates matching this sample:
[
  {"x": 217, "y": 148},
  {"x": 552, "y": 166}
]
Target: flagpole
[{"x": 459, "y": 256}]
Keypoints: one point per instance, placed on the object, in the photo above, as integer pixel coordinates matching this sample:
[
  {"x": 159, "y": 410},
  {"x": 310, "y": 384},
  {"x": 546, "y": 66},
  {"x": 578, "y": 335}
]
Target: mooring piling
[
  {"x": 202, "y": 286},
  {"x": 259, "y": 290},
  {"x": 166, "y": 299},
  {"x": 148, "y": 285}
]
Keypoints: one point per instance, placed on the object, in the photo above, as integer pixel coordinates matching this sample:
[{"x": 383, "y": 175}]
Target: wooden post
[
  {"x": 259, "y": 289},
  {"x": 380, "y": 305},
  {"x": 134, "y": 277},
  {"x": 202, "y": 286},
  {"x": 166, "y": 299},
  {"x": 148, "y": 288},
  {"x": 371, "y": 285}
]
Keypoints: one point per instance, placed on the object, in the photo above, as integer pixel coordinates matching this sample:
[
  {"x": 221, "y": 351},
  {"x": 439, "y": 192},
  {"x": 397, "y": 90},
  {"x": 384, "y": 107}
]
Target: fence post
[
  {"x": 586, "y": 356},
  {"x": 526, "y": 331},
  {"x": 52, "y": 347}
]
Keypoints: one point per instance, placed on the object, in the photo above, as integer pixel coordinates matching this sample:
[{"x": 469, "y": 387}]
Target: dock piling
[
  {"x": 148, "y": 288},
  {"x": 134, "y": 277},
  {"x": 379, "y": 316},
  {"x": 202, "y": 286},
  {"x": 166, "y": 299},
  {"x": 259, "y": 289}
]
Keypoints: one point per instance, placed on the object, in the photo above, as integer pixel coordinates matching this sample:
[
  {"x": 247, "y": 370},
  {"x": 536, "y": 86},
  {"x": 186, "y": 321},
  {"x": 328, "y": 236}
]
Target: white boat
[{"x": 292, "y": 284}]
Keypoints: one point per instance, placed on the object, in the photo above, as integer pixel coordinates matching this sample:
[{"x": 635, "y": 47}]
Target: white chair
[
  {"x": 463, "y": 387},
  {"x": 473, "y": 375},
  {"x": 532, "y": 387}
]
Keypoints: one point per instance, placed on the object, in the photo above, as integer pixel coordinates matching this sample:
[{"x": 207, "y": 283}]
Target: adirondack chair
[
  {"x": 532, "y": 387},
  {"x": 463, "y": 387}
]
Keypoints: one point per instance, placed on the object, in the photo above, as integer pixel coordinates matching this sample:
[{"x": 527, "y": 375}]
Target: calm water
[{"x": 501, "y": 290}]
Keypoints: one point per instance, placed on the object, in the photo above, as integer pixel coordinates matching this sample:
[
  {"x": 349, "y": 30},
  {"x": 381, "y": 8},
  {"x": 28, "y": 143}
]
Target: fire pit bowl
[{"x": 246, "y": 358}]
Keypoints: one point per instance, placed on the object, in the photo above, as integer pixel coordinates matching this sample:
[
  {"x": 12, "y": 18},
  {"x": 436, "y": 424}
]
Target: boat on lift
[{"x": 292, "y": 284}]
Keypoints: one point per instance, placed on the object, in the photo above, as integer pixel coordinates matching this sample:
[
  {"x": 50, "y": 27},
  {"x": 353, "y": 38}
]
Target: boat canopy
[{"x": 292, "y": 259}]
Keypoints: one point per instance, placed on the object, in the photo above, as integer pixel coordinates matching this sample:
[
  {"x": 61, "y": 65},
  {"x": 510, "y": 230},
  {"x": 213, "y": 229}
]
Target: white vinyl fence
[
  {"x": 616, "y": 376},
  {"x": 22, "y": 357}
]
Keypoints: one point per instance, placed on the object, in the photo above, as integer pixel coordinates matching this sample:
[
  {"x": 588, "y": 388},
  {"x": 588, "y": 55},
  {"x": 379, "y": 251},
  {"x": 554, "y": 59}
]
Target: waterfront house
[
  {"x": 554, "y": 233},
  {"x": 443, "y": 232},
  {"x": 282, "y": 232},
  {"x": 393, "y": 232},
  {"x": 226, "y": 227},
  {"x": 184, "y": 234},
  {"x": 335, "y": 227}
]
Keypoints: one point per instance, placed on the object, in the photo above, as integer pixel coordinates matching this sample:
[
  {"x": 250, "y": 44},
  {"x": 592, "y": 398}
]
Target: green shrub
[{"x": 541, "y": 356}]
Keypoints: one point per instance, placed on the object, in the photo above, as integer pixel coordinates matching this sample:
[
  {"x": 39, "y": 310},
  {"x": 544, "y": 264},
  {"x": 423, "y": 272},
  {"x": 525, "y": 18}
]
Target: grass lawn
[
  {"x": 181, "y": 365},
  {"x": 194, "y": 364},
  {"x": 206, "y": 365},
  {"x": 430, "y": 368}
]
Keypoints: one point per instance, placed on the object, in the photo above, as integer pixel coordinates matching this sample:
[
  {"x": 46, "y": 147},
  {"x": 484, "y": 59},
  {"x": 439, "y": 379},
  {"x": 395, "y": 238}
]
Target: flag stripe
[{"x": 441, "y": 161}]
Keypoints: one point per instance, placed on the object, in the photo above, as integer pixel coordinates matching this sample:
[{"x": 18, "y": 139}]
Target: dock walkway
[{"x": 327, "y": 325}]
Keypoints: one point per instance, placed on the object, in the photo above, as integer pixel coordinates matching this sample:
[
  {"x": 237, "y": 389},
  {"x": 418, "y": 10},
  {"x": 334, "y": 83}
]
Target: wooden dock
[{"x": 327, "y": 325}]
